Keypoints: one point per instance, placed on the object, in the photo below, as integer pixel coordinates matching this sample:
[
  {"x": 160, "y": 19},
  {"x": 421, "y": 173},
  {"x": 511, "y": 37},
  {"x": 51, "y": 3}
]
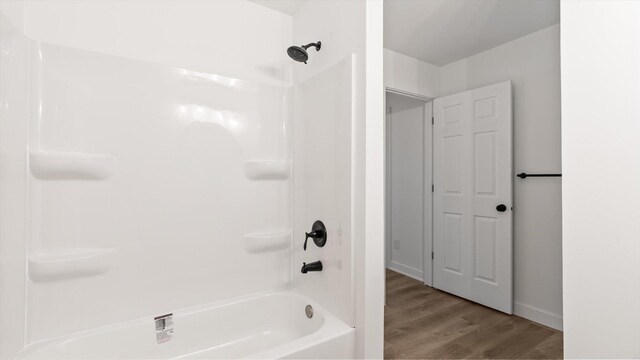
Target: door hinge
[
  {"x": 432, "y": 121},
  {"x": 433, "y": 187},
  {"x": 432, "y": 256}
]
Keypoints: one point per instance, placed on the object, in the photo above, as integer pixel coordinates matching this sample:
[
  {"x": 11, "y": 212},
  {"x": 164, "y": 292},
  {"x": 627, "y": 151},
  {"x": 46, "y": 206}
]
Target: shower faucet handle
[
  {"x": 315, "y": 235},
  {"x": 318, "y": 234}
]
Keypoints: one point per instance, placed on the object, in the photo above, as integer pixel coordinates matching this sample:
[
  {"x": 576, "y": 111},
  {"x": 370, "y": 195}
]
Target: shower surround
[{"x": 171, "y": 161}]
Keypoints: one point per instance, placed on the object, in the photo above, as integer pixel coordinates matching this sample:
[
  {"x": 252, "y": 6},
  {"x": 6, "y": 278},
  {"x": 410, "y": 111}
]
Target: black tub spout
[{"x": 314, "y": 266}]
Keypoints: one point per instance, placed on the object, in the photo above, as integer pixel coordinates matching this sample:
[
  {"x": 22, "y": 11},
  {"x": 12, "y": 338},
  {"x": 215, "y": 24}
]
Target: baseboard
[
  {"x": 538, "y": 315},
  {"x": 405, "y": 270}
]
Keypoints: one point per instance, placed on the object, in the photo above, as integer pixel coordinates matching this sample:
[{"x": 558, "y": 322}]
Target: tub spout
[{"x": 314, "y": 266}]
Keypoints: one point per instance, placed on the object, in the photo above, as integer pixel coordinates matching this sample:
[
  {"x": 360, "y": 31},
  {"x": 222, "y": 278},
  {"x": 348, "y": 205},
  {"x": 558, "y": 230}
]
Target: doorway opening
[
  {"x": 472, "y": 252},
  {"x": 408, "y": 225},
  {"x": 449, "y": 192},
  {"x": 449, "y": 234}
]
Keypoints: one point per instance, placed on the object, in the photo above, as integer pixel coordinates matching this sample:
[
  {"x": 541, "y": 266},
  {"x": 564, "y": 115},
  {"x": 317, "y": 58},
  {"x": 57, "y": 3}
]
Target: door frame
[{"x": 427, "y": 236}]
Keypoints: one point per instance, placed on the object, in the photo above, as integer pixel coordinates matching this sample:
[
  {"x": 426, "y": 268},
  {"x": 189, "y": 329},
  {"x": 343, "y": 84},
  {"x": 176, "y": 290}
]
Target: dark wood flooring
[{"x": 421, "y": 322}]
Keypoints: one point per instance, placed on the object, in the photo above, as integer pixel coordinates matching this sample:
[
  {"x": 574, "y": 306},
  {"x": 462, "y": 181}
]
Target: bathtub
[{"x": 273, "y": 325}]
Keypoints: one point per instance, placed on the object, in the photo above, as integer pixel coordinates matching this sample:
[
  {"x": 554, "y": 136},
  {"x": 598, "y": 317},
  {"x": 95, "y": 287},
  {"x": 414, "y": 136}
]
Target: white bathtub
[{"x": 262, "y": 326}]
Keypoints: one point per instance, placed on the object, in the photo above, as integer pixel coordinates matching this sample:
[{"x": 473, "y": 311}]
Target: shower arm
[{"x": 317, "y": 45}]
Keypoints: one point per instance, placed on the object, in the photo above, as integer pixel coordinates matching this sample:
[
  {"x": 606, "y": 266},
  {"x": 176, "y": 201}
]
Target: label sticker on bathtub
[{"x": 164, "y": 328}]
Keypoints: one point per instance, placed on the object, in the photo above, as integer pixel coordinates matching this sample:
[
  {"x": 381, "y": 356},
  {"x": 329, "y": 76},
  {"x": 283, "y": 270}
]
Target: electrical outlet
[{"x": 396, "y": 244}]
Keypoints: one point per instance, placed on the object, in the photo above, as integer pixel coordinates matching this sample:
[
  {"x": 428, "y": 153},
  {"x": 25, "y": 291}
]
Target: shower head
[{"x": 299, "y": 53}]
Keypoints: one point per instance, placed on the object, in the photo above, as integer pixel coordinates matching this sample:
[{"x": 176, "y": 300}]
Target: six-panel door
[{"x": 472, "y": 178}]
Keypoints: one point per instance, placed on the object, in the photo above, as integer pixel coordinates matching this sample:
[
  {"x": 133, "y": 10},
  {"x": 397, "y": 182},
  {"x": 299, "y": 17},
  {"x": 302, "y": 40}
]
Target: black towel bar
[{"x": 525, "y": 175}]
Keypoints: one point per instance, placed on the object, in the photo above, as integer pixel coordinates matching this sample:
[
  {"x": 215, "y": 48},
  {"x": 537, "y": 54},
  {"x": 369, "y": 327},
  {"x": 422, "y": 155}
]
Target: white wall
[
  {"x": 13, "y": 176},
  {"x": 190, "y": 33},
  {"x": 601, "y": 168},
  {"x": 340, "y": 27},
  {"x": 410, "y": 75},
  {"x": 13, "y": 14},
  {"x": 370, "y": 173},
  {"x": 532, "y": 63}
]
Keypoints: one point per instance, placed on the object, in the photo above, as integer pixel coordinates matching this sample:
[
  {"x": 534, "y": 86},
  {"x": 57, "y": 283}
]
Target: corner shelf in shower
[
  {"x": 259, "y": 242},
  {"x": 70, "y": 264},
  {"x": 267, "y": 169},
  {"x": 57, "y": 165}
]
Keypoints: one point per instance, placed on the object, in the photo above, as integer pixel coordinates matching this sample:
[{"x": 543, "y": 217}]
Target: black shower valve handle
[
  {"x": 318, "y": 234},
  {"x": 315, "y": 234}
]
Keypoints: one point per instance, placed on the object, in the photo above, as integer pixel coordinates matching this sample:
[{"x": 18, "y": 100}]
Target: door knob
[
  {"x": 501, "y": 207},
  {"x": 318, "y": 234}
]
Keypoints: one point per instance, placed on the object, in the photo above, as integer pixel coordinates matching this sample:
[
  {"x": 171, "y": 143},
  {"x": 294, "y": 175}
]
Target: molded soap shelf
[
  {"x": 267, "y": 241},
  {"x": 56, "y": 165},
  {"x": 267, "y": 169},
  {"x": 70, "y": 264}
]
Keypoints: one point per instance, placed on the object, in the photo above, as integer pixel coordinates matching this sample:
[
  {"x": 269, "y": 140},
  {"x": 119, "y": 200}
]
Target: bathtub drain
[{"x": 309, "y": 311}]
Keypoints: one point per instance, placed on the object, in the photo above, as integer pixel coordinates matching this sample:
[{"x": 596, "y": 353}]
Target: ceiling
[
  {"x": 442, "y": 31},
  {"x": 289, "y": 7}
]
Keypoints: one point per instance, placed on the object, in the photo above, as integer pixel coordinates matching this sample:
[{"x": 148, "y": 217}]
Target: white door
[{"x": 472, "y": 218}]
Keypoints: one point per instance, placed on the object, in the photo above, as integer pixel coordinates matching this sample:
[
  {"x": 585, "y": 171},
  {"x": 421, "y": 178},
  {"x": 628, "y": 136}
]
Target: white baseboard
[
  {"x": 405, "y": 270},
  {"x": 538, "y": 315}
]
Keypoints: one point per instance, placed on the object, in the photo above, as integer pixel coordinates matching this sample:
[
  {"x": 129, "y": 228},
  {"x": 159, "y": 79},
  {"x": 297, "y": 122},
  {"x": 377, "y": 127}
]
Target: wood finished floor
[{"x": 421, "y": 322}]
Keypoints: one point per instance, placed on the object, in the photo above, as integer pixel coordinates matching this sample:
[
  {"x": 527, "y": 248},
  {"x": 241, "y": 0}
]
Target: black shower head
[{"x": 299, "y": 53}]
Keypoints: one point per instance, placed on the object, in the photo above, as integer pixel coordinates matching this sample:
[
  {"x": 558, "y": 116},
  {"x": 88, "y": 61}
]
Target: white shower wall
[
  {"x": 328, "y": 126},
  {"x": 322, "y": 185},
  {"x": 160, "y": 138},
  {"x": 159, "y": 157}
]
